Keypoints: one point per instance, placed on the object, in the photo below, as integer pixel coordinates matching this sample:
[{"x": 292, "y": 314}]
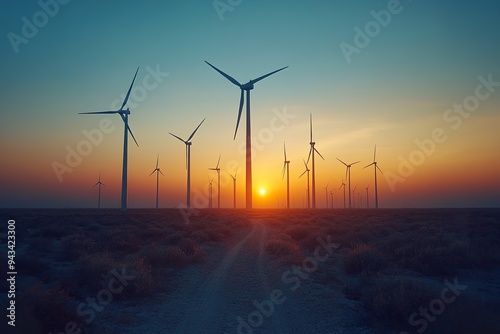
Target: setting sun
[{"x": 262, "y": 191}]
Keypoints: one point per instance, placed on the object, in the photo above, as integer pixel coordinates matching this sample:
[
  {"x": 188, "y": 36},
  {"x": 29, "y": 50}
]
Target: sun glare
[{"x": 262, "y": 191}]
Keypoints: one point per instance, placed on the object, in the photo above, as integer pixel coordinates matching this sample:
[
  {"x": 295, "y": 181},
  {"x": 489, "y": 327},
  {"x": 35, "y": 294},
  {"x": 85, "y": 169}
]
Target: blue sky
[{"x": 395, "y": 90}]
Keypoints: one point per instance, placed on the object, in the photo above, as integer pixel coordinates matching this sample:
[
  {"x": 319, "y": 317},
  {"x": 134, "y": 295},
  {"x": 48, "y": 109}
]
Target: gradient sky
[{"x": 394, "y": 91}]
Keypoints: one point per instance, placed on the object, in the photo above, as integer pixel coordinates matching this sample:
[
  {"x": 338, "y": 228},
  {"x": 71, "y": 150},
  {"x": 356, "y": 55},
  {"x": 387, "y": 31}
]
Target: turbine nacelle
[{"x": 248, "y": 86}]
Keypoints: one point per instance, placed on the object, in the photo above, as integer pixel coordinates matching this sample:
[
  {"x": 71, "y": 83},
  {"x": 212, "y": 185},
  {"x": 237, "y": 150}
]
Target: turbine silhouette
[
  {"x": 124, "y": 115},
  {"x": 311, "y": 152},
  {"x": 217, "y": 169},
  {"x": 188, "y": 162},
  {"x": 157, "y": 171},
  {"x": 348, "y": 174},
  {"x": 307, "y": 189},
  {"x": 374, "y": 163},
  {"x": 343, "y": 185},
  {"x": 286, "y": 165},
  {"x": 246, "y": 87},
  {"x": 234, "y": 188},
  {"x": 99, "y": 184},
  {"x": 367, "y": 200},
  {"x": 326, "y": 196}
]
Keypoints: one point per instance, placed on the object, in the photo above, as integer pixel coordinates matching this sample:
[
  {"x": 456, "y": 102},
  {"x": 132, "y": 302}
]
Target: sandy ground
[{"x": 220, "y": 297}]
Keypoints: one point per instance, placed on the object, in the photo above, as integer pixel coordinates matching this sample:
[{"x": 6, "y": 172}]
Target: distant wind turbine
[
  {"x": 99, "y": 184},
  {"x": 234, "y": 188},
  {"x": 124, "y": 115},
  {"x": 210, "y": 198},
  {"x": 374, "y": 163},
  {"x": 348, "y": 174},
  {"x": 286, "y": 165},
  {"x": 353, "y": 193},
  {"x": 367, "y": 200},
  {"x": 157, "y": 171},
  {"x": 311, "y": 152},
  {"x": 188, "y": 161},
  {"x": 246, "y": 87},
  {"x": 307, "y": 189},
  {"x": 331, "y": 195},
  {"x": 326, "y": 196},
  {"x": 343, "y": 185},
  {"x": 217, "y": 169}
]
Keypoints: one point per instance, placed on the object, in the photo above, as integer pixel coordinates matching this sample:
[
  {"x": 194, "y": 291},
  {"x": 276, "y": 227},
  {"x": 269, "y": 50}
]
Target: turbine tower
[
  {"x": 246, "y": 87},
  {"x": 157, "y": 171},
  {"x": 367, "y": 200},
  {"x": 188, "y": 162},
  {"x": 343, "y": 185},
  {"x": 331, "y": 195},
  {"x": 234, "y": 188},
  {"x": 210, "y": 193},
  {"x": 99, "y": 184},
  {"x": 307, "y": 189},
  {"x": 124, "y": 115},
  {"x": 353, "y": 193},
  {"x": 311, "y": 152},
  {"x": 348, "y": 174},
  {"x": 374, "y": 163},
  {"x": 217, "y": 169},
  {"x": 286, "y": 165},
  {"x": 326, "y": 196}
]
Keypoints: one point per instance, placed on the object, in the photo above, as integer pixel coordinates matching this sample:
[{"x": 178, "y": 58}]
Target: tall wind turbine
[
  {"x": 374, "y": 163},
  {"x": 286, "y": 165},
  {"x": 307, "y": 189},
  {"x": 217, "y": 169},
  {"x": 99, "y": 184},
  {"x": 343, "y": 185},
  {"x": 246, "y": 87},
  {"x": 312, "y": 151},
  {"x": 124, "y": 115},
  {"x": 157, "y": 171},
  {"x": 348, "y": 174},
  {"x": 234, "y": 188},
  {"x": 188, "y": 162}
]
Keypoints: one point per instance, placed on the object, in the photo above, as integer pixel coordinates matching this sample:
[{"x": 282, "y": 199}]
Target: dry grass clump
[
  {"x": 284, "y": 248},
  {"x": 364, "y": 258}
]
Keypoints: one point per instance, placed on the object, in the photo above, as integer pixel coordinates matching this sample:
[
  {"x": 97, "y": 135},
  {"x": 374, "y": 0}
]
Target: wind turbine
[
  {"x": 331, "y": 195},
  {"x": 124, "y": 115},
  {"x": 217, "y": 169},
  {"x": 286, "y": 165},
  {"x": 367, "y": 200},
  {"x": 312, "y": 151},
  {"x": 99, "y": 184},
  {"x": 307, "y": 189},
  {"x": 234, "y": 188},
  {"x": 157, "y": 171},
  {"x": 374, "y": 163},
  {"x": 353, "y": 193},
  {"x": 210, "y": 193},
  {"x": 246, "y": 87},
  {"x": 343, "y": 185},
  {"x": 348, "y": 174},
  {"x": 326, "y": 196},
  {"x": 188, "y": 162}
]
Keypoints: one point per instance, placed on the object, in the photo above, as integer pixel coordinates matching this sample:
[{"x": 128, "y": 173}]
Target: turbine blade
[
  {"x": 309, "y": 156},
  {"x": 161, "y": 172},
  {"x": 196, "y": 130},
  {"x": 152, "y": 172},
  {"x": 355, "y": 162},
  {"x": 319, "y": 153},
  {"x": 228, "y": 77},
  {"x": 283, "y": 171},
  {"x": 284, "y": 150},
  {"x": 368, "y": 165},
  {"x": 98, "y": 112},
  {"x": 129, "y": 90},
  {"x": 266, "y": 75},
  {"x": 305, "y": 164},
  {"x": 182, "y": 140},
  {"x": 239, "y": 112},
  {"x": 157, "y": 158},
  {"x": 346, "y": 171},
  {"x": 311, "y": 126},
  {"x": 95, "y": 185},
  {"x": 217, "y": 167},
  {"x": 375, "y": 152},
  {"x": 376, "y": 166},
  {"x": 133, "y": 137},
  {"x": 302, "y": 174},
  {"x": 341, "y": 161}
]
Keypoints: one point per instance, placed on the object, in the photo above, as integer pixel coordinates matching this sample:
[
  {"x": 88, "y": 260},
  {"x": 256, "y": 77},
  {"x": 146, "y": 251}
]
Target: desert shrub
[
  {"x": 77, "y": 245},
  {"x": 284, "y": 248},
  {"x": 94, "y": 269},
  {"x": 297, "y": 232},
  {"x": 175, "y": 257},
  {"x": 142, "y": 283},
  {"x": 200, "y": 236},
  {"x": 364, "y": 258},
  {"x": 188, "y": 246},
  {"x": 394, "y": 298},
  {"x": 52, "y": 308}
]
